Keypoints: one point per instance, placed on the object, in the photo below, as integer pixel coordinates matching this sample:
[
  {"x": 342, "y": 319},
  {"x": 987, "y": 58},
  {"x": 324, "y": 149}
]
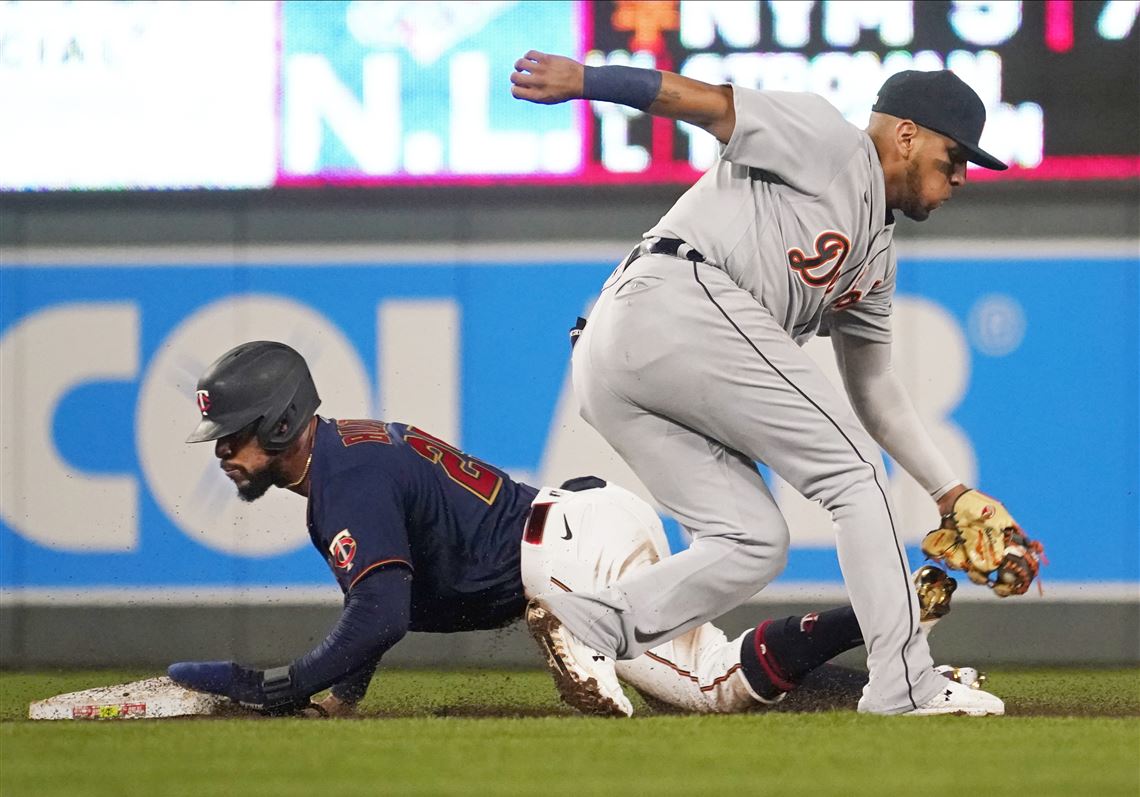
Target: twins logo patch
[
  {"x": 343, "y": 550},
  {"x": 204, "y": 401}
]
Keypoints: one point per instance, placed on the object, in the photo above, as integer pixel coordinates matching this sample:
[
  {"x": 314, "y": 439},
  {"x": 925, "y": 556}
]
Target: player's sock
[
  {"x": 800, "y": 644},
  {"x": 776, "y": 655}
]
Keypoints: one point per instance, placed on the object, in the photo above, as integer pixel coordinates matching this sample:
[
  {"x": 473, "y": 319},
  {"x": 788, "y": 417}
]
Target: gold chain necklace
[{"x": 304, "y": 473}]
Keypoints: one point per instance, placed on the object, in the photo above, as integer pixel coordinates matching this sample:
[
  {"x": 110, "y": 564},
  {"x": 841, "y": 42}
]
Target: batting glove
[{"x": 263, "y": 690}]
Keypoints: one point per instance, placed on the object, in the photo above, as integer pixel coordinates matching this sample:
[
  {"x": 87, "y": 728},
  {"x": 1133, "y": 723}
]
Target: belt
[{"x": 673, "y": 247}]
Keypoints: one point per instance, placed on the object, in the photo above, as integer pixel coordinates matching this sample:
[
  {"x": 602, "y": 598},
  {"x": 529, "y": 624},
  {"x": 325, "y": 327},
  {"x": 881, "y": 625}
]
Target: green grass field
[{"x": 1068, "y": 732}]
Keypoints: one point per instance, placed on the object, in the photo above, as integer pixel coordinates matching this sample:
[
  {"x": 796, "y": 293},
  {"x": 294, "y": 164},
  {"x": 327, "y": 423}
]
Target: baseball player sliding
[
  {"x": 690, "y": 366},
  {"x": 422, "y": 537}
]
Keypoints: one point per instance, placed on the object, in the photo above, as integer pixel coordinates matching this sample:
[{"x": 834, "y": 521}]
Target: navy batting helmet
[{"x": 260, "y": 382}]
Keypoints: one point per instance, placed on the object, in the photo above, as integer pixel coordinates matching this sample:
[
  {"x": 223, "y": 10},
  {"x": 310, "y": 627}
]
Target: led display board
[{"x": 263, "y": 94}]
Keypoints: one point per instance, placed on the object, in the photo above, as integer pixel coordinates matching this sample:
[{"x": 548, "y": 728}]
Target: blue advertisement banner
[{"x": 1025, "y": 370}]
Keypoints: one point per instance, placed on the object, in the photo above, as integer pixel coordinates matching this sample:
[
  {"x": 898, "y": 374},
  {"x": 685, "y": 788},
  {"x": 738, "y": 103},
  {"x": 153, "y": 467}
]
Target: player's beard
[
  {"x": 259, "y": 482},
  {"x": 912, "y": 207}
]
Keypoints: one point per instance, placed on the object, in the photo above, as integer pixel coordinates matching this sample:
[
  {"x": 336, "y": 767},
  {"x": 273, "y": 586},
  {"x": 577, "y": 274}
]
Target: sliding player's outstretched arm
[
  {"x": 551, "y": 79},
  {"x": 375, "y": 617}
]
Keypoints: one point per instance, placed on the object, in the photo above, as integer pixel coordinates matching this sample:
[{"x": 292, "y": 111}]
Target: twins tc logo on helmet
[
  {"x": 343, "y": 550},
  {"x": 204, "y": 401}
]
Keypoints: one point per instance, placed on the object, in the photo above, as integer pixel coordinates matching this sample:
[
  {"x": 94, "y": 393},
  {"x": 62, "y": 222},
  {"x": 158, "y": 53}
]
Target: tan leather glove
[{"x": 980, "y": 537}]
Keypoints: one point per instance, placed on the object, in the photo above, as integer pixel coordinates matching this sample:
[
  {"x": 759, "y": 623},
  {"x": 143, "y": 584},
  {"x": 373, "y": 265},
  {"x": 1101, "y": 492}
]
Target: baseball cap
[{"x": 942, "y": 102}]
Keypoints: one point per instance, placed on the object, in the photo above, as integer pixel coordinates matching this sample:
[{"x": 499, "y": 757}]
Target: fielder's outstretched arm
[
  {"x": 551, "y": 79},
  {"x": 882, "y": 404}
]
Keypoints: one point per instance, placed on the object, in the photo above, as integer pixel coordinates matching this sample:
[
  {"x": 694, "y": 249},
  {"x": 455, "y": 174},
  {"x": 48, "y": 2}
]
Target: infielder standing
[
  {"x": 422, "y": 537},
  {"x": 691, "y": 367}
]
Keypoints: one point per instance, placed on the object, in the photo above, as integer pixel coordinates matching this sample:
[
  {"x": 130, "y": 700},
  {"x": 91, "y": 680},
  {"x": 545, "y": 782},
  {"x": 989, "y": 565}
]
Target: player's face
[
  {"x": 248, "y": 465},
  {"x": 937, "y": 167}
]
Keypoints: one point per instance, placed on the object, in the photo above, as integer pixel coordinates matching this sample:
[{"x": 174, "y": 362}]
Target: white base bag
[{"x": 152, "y": 698}]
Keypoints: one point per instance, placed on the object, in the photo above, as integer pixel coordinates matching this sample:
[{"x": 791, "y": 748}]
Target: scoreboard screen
[
  {"x": 1060, "y": 80},
  {"x": 263, "y": 93}
]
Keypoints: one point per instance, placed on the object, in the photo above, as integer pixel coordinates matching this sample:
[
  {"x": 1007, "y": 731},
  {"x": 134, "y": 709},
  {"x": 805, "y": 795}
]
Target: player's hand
[
  {"x": 547, "y": 79},
  {"x": 331, "y": 707},
  {"x": 946, "y": 502},
  {"x": 226, "y": 678}
]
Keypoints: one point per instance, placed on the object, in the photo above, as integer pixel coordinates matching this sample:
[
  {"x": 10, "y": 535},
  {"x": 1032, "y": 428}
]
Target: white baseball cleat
[
  {"x": 956, "y": 698},
  {"x": 586, "y": 679}
]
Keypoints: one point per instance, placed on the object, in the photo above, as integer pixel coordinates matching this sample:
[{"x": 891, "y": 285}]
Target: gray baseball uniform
[{"x": 693, "y": 372}]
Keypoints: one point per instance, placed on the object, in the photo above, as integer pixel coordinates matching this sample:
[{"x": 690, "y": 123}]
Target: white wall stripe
[
  {"x": 419, "y": 367},
  {"x": 552, "y": 253},
  {"x": 793, "y": 591}
]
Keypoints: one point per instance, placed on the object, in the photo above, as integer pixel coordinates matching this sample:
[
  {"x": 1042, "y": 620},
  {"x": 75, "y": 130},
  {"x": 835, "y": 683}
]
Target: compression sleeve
[
  {"x": 352, "y": 688},
  {"x": 882, "y": 404},
  {"x": 377, "y": 612}
]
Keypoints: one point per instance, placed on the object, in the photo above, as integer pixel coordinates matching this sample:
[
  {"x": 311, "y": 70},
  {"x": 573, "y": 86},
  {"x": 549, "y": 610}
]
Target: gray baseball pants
[{"x": 692, "y": 381}]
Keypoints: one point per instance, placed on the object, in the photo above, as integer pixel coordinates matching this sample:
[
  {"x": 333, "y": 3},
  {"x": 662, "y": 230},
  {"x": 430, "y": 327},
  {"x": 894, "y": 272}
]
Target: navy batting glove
[{"x": 225, "y": 678}]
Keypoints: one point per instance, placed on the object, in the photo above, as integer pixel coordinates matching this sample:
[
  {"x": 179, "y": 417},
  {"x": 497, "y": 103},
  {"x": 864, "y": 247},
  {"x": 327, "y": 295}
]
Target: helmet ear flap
[{"x": 278, "y": 434}]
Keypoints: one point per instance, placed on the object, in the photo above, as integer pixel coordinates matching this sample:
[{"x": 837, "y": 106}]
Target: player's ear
[{"x": 906, "y": 137}]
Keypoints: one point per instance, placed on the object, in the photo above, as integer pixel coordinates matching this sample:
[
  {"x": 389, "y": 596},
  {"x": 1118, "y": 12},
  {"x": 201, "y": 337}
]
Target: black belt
[{"x": 673, "y": 247}]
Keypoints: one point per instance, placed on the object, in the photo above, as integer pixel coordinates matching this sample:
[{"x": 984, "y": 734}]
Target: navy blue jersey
[{"x": 387, "y": 493}]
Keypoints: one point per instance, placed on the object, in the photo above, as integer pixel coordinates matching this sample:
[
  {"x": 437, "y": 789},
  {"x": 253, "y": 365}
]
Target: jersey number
[{"x": 471, "y": 474}]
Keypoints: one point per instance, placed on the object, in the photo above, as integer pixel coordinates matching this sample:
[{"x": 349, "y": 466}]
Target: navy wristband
[{"x": 626, "y": 85}]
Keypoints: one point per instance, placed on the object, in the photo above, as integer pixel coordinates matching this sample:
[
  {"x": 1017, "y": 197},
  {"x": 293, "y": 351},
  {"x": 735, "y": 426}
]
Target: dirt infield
[
  {"x": 492, "y": 694},
  {"x": 827, "y": 689}
]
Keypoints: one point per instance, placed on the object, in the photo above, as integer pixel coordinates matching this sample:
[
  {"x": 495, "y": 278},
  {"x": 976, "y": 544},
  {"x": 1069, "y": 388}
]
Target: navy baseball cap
[{"x": 942, "y": 102}]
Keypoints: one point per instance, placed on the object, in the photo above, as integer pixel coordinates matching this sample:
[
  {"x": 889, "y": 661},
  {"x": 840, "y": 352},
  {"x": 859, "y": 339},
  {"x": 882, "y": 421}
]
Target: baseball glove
[{"x": 980, "y": 537}]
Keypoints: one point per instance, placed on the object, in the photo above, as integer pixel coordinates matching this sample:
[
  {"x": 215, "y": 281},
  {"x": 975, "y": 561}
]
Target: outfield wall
[{"x": 119, "y": 544}]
